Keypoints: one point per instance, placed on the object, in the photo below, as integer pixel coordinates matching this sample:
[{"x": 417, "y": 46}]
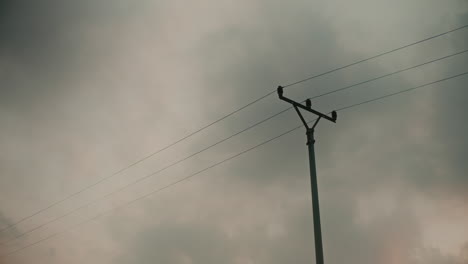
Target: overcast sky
[{"x": 88, "y": 87}]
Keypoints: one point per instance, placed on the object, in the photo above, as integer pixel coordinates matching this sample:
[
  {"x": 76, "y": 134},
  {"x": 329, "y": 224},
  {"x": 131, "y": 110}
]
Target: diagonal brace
[
  {"x": 306, "y": 107},
  {"x": 302, "y": 118}
]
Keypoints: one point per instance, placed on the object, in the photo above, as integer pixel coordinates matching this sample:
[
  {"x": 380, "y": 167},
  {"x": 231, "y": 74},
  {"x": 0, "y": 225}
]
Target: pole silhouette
[{"x": 313, "y": 170}]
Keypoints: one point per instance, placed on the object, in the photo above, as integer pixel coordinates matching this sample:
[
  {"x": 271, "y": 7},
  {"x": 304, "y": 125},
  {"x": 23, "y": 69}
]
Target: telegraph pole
[{"x": 313, "y": 170}]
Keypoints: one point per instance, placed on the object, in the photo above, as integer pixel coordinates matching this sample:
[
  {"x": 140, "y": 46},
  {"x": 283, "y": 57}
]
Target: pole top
[
  {"x": 280, "y": 91},
  {"x": 334, "y": 115},
  {"x": 307, "y": 107}
]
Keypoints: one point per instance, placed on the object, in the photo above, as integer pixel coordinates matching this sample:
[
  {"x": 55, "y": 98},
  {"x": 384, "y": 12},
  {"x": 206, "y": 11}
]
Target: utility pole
[{"x": 313, "y": 172}]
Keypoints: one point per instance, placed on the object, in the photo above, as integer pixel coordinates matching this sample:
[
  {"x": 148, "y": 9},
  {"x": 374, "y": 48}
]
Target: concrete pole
[{"x": 315, "y": 198}]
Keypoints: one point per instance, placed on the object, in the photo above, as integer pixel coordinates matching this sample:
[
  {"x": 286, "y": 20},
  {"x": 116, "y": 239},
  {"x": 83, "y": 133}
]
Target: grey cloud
[
  {"x": 6, "y": 234},
  {"x": 449, "y": 125},
  {"x": 180, "y": 243},
  {"x": 4, "y": 224},
  {"x": 450, "y": 130},
  {"x": 368, "y": 150},
  {"x": 373, "y": 153},
  {"x": 39, "y": 42},
  {"x": 246, "y": 60},
  {"x": 41, "y": 34},
  {"x": 433, "y": 256},
  {"x": 200, "y": 238},
  {"x": 47, "y": 45}
]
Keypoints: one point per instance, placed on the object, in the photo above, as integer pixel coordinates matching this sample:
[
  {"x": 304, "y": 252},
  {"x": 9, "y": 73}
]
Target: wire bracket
[{"x": 308, "y": 108}]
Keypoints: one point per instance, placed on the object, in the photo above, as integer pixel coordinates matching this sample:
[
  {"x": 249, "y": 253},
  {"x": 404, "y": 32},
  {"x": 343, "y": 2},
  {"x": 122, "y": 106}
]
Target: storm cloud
[{"x": 90, "y": 86}]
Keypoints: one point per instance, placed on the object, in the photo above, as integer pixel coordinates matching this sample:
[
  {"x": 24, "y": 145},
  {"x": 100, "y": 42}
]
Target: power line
[
  {"x": 389, "y": 74},
  {"x": 149, "y": 175},
  {"x": 135, "y": 163},
  {"x": 402, "y": 91},
  {"x": 376, "y": 56},
  {"x": 217, "y": 121},
  {"x": 155, "y": 191},
  {"x": 221, "y": 141},
  {"x": 228, "y": 159}
]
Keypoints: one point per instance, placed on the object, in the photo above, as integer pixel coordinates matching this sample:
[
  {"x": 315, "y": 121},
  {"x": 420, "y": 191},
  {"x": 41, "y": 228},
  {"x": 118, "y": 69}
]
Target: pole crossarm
[{"x": 306, "y": 107}]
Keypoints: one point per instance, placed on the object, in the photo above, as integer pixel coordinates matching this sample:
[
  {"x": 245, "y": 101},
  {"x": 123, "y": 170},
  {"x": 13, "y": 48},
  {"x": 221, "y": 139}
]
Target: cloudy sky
[{"x": 88, "y": 87}]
